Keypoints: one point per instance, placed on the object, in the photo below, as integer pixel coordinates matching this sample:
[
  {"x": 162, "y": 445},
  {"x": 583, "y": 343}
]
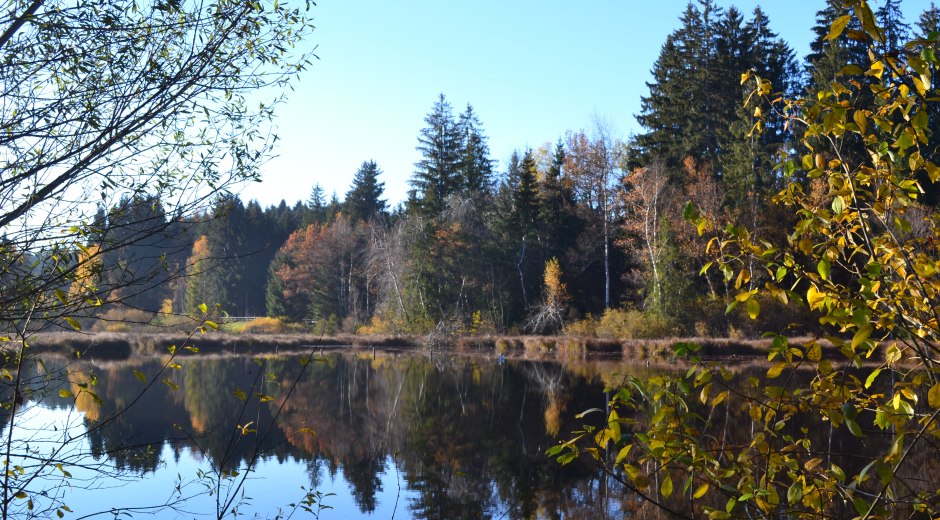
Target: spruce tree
[
  {"x": 364, "y": 198},
  {"x": 476, "y": 166},
  {"x": 558, "y": 217},
  {"x": 928, "y": 32},
  {"x": 749, "y": 161},
  {"x": 894, "y": 30},
  {"x": 437, "y": 174},
  {"x": 681, "y": 112}
]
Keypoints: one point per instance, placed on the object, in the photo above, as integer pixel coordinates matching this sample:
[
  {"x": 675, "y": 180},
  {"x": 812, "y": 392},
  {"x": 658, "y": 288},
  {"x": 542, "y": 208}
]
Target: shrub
[
  {"x": 634, "y": 324},
  {"x": 265, "y": 326},
  {"x": 583, "y": 328},
  {"x": 123, "y": 319}
]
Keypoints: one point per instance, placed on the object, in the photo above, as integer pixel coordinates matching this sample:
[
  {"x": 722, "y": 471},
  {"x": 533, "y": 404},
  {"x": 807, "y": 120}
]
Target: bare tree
[{"x": 102, "y": 102}]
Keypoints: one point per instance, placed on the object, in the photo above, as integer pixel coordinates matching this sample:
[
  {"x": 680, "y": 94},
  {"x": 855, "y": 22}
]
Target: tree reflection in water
[{"x": 464, "y": 437}]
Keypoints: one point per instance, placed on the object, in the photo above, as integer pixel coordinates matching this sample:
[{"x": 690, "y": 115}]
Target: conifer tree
[
  {"x": 558, "y": 216},
  {"x": 928, "y": 32},
  {"x": 436, "y": 175},
  {"x": 676, "y": 111},
  {"x": 475, "y": 166},
  {"x": 895, "y": 31},
  {"x": 364, "y": 198}
]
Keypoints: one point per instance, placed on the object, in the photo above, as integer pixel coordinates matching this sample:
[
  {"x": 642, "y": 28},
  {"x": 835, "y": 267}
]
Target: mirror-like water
[
  {"x": 387, "y": 436},
  {"x": 390, "y": 436}
]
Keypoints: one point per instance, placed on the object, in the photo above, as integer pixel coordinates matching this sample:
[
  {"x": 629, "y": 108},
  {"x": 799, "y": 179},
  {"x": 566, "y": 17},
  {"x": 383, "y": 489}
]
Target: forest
[{"x": 589, "y": 235}]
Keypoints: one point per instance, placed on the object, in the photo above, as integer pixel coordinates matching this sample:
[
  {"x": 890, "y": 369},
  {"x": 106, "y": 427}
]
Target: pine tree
[
  {"x": 364, "y": 199},
  {"x": 436, "y": 175}
]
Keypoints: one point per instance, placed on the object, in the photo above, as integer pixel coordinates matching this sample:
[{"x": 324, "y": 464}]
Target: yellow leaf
[
  {"x": 666, "y": 487},
  {"x": 815, "y": 352},
  {"x": 838, "y": 26},
  {"x": 933, "y": 396},
  {"x": 775, "y": 371},
  {"x": 700, "y": 491}
]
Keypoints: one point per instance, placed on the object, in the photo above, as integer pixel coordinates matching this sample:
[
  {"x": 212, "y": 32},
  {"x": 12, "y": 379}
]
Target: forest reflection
[{"x": 466, "y": 435}]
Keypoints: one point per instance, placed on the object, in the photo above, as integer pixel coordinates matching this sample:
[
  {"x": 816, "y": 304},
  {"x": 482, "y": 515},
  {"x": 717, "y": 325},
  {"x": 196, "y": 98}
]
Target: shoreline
[{"x": 122, "y": 345}]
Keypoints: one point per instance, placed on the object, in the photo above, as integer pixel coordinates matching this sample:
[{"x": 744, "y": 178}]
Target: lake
[
  {"x": 347, "y": 435},
  {"x": 387, "y": 436}
]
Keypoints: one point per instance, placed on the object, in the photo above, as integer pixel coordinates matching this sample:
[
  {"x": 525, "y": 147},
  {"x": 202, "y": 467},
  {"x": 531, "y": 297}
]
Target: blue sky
[{"x": 531, "y": 69}]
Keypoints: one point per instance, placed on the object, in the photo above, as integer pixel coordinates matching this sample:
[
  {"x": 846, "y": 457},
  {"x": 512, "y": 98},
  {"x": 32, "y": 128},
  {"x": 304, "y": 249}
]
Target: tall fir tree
[
  {"x": 895, "y": 31},
  {"x": 364, "y": 198},
  {"x": 928, "y": 34},
  {"x": 681, "y": 113},
  {"x": 437, "y": 174},
  {"x": 750, "y": 158},
  {"x": 476, "y": 166}
]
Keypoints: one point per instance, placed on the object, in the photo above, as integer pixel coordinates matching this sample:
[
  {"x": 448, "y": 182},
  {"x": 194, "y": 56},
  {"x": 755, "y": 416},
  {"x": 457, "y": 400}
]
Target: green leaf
[
  {"x": 60, "y": 294},
  {"x": 871, "y": 378},
  {"x": 824, "y": 267},
  {"x": 853, "y": 427},
  {"x": 66, "y": 394},
  {"x": 72, "y": 323},
  {"x": 666, "y": 488},
  {"x": 753, "y": 308},
  {"x": 623, "y": 453},
  {"x": 795, "y": 493},
  {"x": 140, "y": 375},
  {"x": 861, "y": 335}
]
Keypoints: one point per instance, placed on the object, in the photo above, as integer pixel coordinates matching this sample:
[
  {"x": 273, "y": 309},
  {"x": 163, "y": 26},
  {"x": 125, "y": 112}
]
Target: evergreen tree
[
  {"x": 134, "y": 247},
  {"x": 748, "y": 168},
  {"x": 558, "y": 215},
  {"x": 436, "y": 175},
  {"x": 827, "y": 58},
  {"x": 928, "y": 32},
  {"x": 841, "y": 60},
  {"x": 895, "y": 31},
  {"x": 316, "y": 206},
  {"x": 476, "y": 166},
  {"x": 364, "y": 198},
  {"x": 681, "y": 113},
  {"x": 224, "y": 274},
  {"x": 525, "y": 199}
]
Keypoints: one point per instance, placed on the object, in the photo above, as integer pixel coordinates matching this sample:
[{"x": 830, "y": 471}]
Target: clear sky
[{"x": 532, "y": 69}]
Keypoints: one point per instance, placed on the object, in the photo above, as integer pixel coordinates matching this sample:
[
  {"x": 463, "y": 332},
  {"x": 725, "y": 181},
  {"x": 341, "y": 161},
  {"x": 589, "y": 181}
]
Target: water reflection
[
  {"x": 392, "y": 435},
  {"x": 460, "y": 437}
]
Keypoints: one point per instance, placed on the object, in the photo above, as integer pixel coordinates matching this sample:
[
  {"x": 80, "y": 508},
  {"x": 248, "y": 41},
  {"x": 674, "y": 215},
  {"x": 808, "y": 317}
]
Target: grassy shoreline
[{"x": 121, "y": 345}]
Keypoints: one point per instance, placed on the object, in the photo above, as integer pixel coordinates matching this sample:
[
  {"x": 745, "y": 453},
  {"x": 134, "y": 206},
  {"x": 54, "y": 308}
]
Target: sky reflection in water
[{"x": 397, "y": 436}]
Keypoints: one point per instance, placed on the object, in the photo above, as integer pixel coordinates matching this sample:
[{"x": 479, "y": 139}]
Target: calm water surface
[{"x": 390, "y": 436}]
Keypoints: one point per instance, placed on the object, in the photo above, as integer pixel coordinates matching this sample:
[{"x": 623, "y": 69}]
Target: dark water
[
  {"x": 388, "y": 436},
  {"x": 394, "y": 436}
]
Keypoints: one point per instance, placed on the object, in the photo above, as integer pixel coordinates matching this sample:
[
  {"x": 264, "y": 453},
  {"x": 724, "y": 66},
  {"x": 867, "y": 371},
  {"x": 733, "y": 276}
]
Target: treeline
[{"x": 589, "y": 226}]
